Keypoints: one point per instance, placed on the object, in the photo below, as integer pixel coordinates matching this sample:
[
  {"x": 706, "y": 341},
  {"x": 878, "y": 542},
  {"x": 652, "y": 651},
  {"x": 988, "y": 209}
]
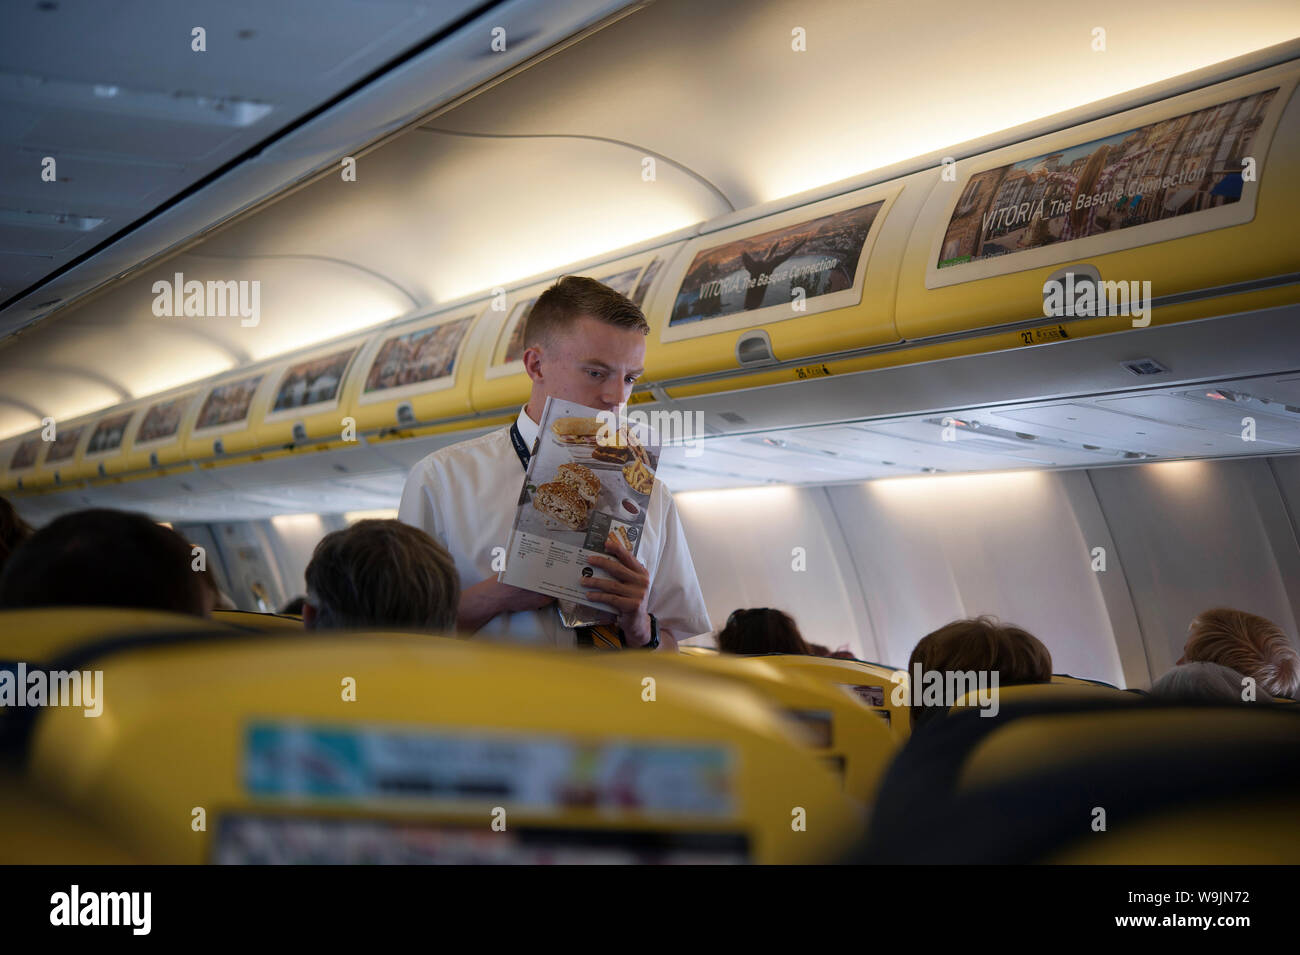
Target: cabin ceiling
[{"x": 542, "y": 170}]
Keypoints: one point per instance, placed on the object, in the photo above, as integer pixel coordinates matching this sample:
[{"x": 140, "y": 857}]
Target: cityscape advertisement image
[
  {"x": 820, "y": 256},
  {"x": 1176, "y": 167}
]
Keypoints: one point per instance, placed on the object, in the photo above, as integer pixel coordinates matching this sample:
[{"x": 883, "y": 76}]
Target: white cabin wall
[
  {"x": 1192, "y": 535},
  {"x": 935, "y": 549},
  {"x": 743, "y": 545}
]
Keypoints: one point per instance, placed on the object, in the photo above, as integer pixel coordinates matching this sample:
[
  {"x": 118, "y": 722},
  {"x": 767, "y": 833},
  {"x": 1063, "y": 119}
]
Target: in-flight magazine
[{"x": 591, "y": 475}]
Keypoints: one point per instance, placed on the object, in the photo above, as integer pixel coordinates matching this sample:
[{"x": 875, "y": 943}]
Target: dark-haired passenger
[
  {"x": 981, "y": 645},
  {"x": 381, "y": 574},
  {"x": 104, "y": 558},
  {"x": 13, "y": 530},
  {"x": 761, "y": 630}
]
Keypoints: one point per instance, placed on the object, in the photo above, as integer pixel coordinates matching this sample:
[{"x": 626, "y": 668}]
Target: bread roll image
[
  {"x": 575, "y": 429},
  {"x": 583, "y": 480},
  {"x": 561, "y": 501}
]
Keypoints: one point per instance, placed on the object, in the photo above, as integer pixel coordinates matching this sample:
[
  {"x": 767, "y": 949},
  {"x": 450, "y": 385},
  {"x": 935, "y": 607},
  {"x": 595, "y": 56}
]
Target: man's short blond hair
[
  {"x": 574, "y": 296},
  {"x": 1250, "y": 644},
  {"x": 383, "y": 574}
]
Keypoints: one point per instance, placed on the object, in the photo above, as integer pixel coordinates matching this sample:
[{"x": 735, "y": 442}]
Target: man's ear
[
  {"x": 308, "y": 617},
  {"x": 532, "y": 359}
]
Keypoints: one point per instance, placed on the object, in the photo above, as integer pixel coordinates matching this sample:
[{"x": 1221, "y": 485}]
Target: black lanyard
[{"x": 521, "y": 449}]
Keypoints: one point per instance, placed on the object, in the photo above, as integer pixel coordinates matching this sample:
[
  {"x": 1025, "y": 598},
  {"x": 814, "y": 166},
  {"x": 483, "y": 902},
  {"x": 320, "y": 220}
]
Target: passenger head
[
  {"x": 381, "y": 574},
  {"x": 585, "y": 343},
  {"x": 213, "y": 598},
  {"x": 1204, "y": 683},
  {"x": 13, "y": 530},
  {"x": 103, "y": 558},
  {"x": 761, "y": 630},
  {"x": 983, "y": 645},
  {"x": 1249, "y": 644}
]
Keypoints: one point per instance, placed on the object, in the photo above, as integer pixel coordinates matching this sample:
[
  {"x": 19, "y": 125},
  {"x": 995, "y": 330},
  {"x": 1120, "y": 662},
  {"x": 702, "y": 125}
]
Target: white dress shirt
[{"x": 465, "y": 497}]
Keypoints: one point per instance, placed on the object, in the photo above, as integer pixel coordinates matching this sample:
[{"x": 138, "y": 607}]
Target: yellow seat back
[
  {"x": 266, "y": 622},
  {"x": 846, "y": 735},
  {"x": 41, "y": 634},
  {"x": 869, "y": 684},
  {"x": 1108, "y": 780},
  {"x": 381, "y": 748}
]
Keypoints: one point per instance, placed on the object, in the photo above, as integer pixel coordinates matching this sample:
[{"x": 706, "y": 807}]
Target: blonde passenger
[{"x": 1245, "y": 642}]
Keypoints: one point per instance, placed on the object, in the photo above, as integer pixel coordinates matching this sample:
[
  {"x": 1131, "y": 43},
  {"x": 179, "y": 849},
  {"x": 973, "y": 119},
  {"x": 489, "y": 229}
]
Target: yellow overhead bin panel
[
  {"x": 308, "y": 394},
  {"x": 105, "y": 447},
  {"x": 1194, "y": 196},
  {"x": 156, "y": 437},
  {"x": 65, "y": 458},
  {"x": 810, "y": 281},
  {"x": 22, "y": 455},
  {"x": 450, "y": 751},
  {"x": 417, "y": 371},
  {"x": 223, "y": 418},
  {"x": 499, "y": 377},
  {"x": 59, "y": 465}
]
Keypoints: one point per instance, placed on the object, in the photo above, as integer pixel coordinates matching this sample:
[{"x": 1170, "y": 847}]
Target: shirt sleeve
[
  {"x": 418, "y": 507},
  {"x": 675, "y": 596}
]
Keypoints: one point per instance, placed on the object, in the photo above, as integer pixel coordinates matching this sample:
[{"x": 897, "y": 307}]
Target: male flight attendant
[{"x": 584, "y": 343}]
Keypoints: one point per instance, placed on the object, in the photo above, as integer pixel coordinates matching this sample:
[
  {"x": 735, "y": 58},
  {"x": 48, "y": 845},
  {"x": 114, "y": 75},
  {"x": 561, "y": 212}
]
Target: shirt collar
[{"x": 528, "y": 428}]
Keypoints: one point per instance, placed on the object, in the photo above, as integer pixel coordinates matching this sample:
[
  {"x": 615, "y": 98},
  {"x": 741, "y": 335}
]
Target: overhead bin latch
[
  {"x": 218, "y": 447},
  {"x": 1071, "y": 292},
  {"x": 299, "y": 431},
  {"x": 754, "y": 348},
  {"x": 405, "y": 413}
]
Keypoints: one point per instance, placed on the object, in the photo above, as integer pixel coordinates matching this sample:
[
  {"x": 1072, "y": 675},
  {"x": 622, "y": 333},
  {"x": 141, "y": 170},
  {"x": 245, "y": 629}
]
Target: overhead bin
[
  {"x": 1192, "y": 199},
  {"x": 416, "y": 371},
  {"x": 64, "y": 461},
  {"x": 22, "y": 456},
  {"x": 222, "y": 420},
  {"x": 803, "y": 283},
  {"x": 308, "y": 395},
  {"x": 105, "y": 448},
  {"x": 499, "y": 379},
  {"x": 156, "y": 436},
  {"x": 37, "y": 463}
]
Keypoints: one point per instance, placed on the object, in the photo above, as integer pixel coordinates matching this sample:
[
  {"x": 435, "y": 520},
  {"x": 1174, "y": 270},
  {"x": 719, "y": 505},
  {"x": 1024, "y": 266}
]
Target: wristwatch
[{"x": 654, "y": 634}]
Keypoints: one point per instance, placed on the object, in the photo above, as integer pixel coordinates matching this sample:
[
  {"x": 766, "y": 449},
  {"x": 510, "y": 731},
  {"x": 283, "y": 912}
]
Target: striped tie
[{"x": 599, "y": 637}]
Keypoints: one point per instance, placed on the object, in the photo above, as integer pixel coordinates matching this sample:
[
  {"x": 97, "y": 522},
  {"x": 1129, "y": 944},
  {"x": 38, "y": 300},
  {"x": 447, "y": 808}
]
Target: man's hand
[
  {"x": 484, "y": 600},
  {"x": 626, "y": 593}
]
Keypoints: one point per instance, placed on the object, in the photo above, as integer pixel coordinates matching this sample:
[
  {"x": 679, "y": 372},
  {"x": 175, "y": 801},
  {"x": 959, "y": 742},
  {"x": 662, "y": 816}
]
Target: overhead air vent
[
  {"x": 1145, "y": 366},
  {"x": 1005, "y": 438},
  {"x": 732, "y": 418}
]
